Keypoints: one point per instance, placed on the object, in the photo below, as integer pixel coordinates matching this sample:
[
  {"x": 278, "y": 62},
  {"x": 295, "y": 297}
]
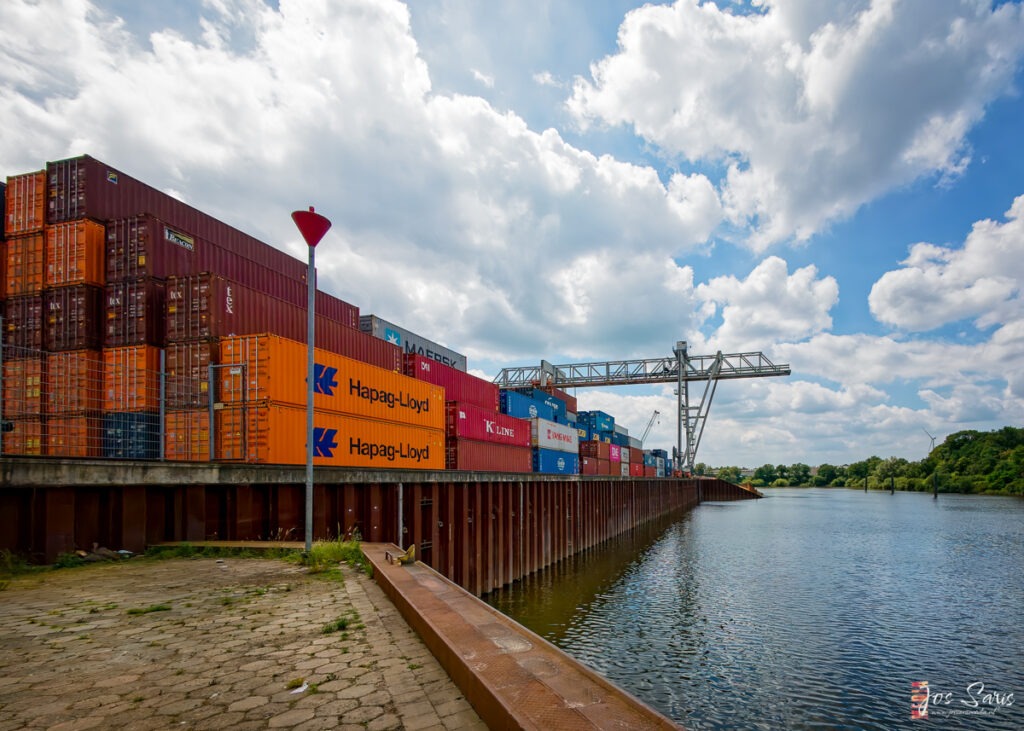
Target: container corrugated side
[
  {"x": 267, "y": 433},
  {"x": 614, "y": 453},
  {"x": 275, "y": 369},
  {"x": 469, "y": 421},
  {"x": 458, "y": 386},
  {"x": 26, "y": 264},
  {"x": 74, "y": 382},
  {"x": 552, "y": 435},
  {"x": 83, "y": 187},
  {"x": 73, "y": 317},
  {"x": 411, "y": 343},
  {"x": 636, "y": 469},
  {"x": 23, "y": 326},
  {"x": 131, "y": 435},
  {"x": 134, "y": 313},
  {"x": 187, "y": 435},
  {"x": 74, "y": 253},
  {"x": 80, "y": 435},
  {"x": 571, "y": 404},
  {"x": 597, "y": 420},
  {"x": 25, "y": 203},
  {"x": 24, "y": 386},
  {"x": 188, "y": 373},
  {"x": 522, "y": 406},
  {"x": 131, "y": 379},
  {"x": 27, "y": 436},
  {"x": 625, "y": 454},
  {"x": 553, "y": 461},
  {"x": 650, "y": 471},
  {"x": 600, "y": 450},
  {"x": 3, "y": 219},
  {"x": 473, "y": 455},
  {"x": 555, "y": 406}
]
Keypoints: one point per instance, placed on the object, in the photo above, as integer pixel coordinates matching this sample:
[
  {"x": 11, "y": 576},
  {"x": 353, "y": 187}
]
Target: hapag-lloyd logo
[{"x": 979, "y": 701}]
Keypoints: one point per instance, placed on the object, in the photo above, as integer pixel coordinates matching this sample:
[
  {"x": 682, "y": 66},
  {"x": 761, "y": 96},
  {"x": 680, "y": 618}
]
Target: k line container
[
  {"x": 23, "y": 387},
  {"x": 410, "y": 342},
  {"x": 74, "y": 253},
  {"x": 26, "y": 269},
  {"x": 73, "y": 317},
  {"x": 552, "y": 461},
  {"x": 187, "y": 435},
  {"x": 458, "y": 386},
  {"x": 131, "y": 435},
  {"x": 469, "y": 421},
  {"x": 80, "y": 435},
  {"x": 188, "y": 373},
  {"x": 83, "y": 187},
  {"x": 74, "y": 382},
  {"x": 552, "y": 435},
  {"x": 134, "y": 313},
  {"x": 25, "y": 203},
  {"x": 131, "y": 379},
  {"x": 23, "y": 326},
  {"x": 522, "y": 406},
  {"x": 275, "y": 369},
  {"x": 469, "y": 454},
  {"x": 269, "y": 433}
]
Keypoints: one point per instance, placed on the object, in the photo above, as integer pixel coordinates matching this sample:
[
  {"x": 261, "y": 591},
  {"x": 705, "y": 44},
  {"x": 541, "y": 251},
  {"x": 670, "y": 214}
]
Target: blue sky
[{"x": 834, "y": 184}]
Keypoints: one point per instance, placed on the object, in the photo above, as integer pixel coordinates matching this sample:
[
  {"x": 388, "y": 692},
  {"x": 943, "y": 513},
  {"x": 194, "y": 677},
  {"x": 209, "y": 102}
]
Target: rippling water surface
[{"x": 809, "y": 609}]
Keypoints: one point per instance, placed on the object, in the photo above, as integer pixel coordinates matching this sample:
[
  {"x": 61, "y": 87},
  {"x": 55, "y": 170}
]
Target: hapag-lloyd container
[
  {"x": 553, "y": 461},
  {"x": 74, "y": 253},
  {"x": 23, "y": 325},
  {"x": 83, "y": 187},
  {"x": 551, "y": 435},
  {"x": 188, "y": 373},
  {"x": 26, "y": 270},
  {"x": 469, "y": 421},
  {"x": 469, "y": 454},
  {"x": 268, "y": 433},
  {"x": 74, "y": 382},
  {"x": 410, "y": 342},
  {"x": 458, "y": 386},
  {"x": 72, "y": 316},
  {"x": 134, "y": 313},
  {"x": 131, "y": 379},
  {"x": 522, "y": 406},
  {"x": 614, "y": 453},
  {"x": 144, "y": 246},
  {"x": 25, "y": 203},
  {"x": 272, "y": 368}
]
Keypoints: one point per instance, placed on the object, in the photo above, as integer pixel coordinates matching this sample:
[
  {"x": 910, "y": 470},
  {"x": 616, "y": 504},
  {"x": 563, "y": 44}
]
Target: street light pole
[{"x": 312, "y": 226}]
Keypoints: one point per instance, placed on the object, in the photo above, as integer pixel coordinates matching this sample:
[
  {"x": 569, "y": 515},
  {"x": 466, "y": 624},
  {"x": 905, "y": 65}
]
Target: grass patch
[
  {"x": 327, "y": 556},
  {"x": 188, "y": 550},
  {"x": 150, "y": 608}
]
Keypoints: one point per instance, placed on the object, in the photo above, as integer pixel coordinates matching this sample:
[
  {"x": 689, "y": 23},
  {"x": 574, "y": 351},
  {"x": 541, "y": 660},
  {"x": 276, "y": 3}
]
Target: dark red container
[
  {"x": 73, "y": 317},
  {"x": 458, "y": 385},
  {"x": 134, "y": 313},
  {"x": 650, "y": 471},
  {"x": 83, "y": 187},
  {"x": 23, "y": 326},
  {"x": 469, "y": 421},
  {"x": 3, "y": 219},
  {"x": 600, "y": 450},
  {"x": 636, "y": 469},
  {"x": 469, "y": 454},
  {"x": 188, "y": 375}
]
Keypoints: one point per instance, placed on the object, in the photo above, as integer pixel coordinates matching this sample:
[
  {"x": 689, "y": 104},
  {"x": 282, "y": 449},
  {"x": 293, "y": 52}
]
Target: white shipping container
[
  {"x": 549, "y": 435},
  {"x": 625, "y": 469},
  {"x": 410, "y": 342},
  {"x": 619, "y": 429}
]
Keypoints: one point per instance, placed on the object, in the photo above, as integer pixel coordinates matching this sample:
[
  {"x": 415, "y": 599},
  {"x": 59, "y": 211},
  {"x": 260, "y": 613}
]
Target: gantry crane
[
  {"x": 681, "y": 368},
  {"x": 647, "y": 429}
]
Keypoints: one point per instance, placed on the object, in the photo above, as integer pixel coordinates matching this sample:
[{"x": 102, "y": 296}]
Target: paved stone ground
[{"x": 78, "y": 650}]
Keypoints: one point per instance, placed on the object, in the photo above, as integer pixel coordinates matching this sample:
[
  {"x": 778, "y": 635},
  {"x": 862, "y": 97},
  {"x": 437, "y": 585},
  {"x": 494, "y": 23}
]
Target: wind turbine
[{"x": 935, "y": 478}]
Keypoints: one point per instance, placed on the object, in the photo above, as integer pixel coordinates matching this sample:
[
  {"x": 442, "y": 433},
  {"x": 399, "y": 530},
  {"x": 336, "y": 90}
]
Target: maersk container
[
  {"x": 272, "y": 368},
  {"x": 23, "y": 326},
  {"x": 410, "y": 342},
  {"x": 74, "y": 382},
  {"x": 134, "y": 313},
  {"x": 552, "y": 461},
  {"x": 469, "y": 421},
  {"x": 522, "y": 406},
  {"x": 83, "y": 187},
  {"x": 25, "y": 203},
  {"x": 268, "y": 433},
  {"x": 74, "y": 253},
  {"x": 131, "y": 435},
  {"x": 458, "y": 385},
  {"x": 26, "y": 269},
  {"x": 615, "y": 453},
  {"x": 73, "y": 317},
  {"x": 476, "y": 456},
  {"x": 552, "y": 435}
]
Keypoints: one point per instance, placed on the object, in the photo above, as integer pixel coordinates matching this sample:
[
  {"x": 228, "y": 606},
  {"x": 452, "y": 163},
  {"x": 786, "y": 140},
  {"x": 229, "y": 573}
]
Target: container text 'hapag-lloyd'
[
  {"x": 389, "y": 398},
  {"x": 388, "y": 452}
]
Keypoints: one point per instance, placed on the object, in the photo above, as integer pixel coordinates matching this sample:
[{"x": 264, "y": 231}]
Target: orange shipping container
[
  {"x": 26, "y": 436},
  {"x": 187, "y": 435},
  {"x": 23, "y": 387},
  {"x": 25, "y": 205},
  {"x": 74, "y": 253},
  {"x": 74, "y": 382},
  {"x": 276, "y": 434},
  {"x": 275, "y": 369},
  {"x": 74, "y": 436},
  {"x": 25, "y": 270},
  {"x": 131, "y": 380}
]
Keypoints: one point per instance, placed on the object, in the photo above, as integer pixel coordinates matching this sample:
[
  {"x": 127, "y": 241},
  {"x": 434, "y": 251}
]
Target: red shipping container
[
  {"x": 458, "y": 385},
  {"x": 25, "y": 203},
  {"x": 83, "y": 187},
  {"x": 636, "y": 469},
  {"x": 24, "y": 383},
  {"x": 650, "y": 471},
  {"x": 588, "y": 465},
  {"x": 74, "y": 253},
  {"x": 134, "y": 313},
  {"x": 3, "y": 268},
  {"x": 73, "y": 317},
  {"x": 74, "y": 436},
  {"x": 188, "y": 373},
  {"x": 74, "y": 382},
  {"x": 26, "y": 271},
  {"x": 468, "y": 421},
  {"x": 469, "y": 454},
  {"x": 23, "y": 326},
  {"x": 600, "y": 450}
]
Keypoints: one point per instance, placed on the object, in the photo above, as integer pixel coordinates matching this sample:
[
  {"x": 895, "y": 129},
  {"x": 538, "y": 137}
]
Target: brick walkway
[{"x": 241, "y": 645}]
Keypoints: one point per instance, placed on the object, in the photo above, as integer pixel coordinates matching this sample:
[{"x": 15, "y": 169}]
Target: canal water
[{"x": 809, "y": 609}]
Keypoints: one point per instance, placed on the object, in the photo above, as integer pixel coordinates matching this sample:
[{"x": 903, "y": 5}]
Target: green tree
[{"x": 799, "y": 474}]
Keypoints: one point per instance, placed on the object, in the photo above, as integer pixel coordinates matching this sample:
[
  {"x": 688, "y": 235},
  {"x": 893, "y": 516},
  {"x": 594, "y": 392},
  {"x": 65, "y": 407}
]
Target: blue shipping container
[
  {"x": 558, "y": 463},
  {"x": 584, "y": 431},
  {"x": 620, "y": 439},
  {"x": 131, "y": 435},
  {"x": 598, "y": 420},
  {"x": 650, "y": 460},
  {"x": 522, "y": 406}
]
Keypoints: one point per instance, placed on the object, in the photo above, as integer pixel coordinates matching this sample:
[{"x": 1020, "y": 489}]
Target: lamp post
[{"x": 312, "y": 226}]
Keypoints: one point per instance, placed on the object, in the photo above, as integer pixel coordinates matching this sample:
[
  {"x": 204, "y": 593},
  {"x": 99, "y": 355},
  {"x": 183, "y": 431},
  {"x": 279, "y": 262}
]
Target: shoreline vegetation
[{"x": 967, "y": 462}]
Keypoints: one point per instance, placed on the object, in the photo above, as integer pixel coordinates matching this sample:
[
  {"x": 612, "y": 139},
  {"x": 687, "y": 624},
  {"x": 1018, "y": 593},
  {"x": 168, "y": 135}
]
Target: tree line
[{"x": 966, "y": 462}]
